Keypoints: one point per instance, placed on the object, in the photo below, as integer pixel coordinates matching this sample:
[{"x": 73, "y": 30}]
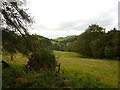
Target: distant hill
[
  {"x": 61, "y": 43},
  {"x": 46, "y": 42},
  {"x": 65, "y": 39}
]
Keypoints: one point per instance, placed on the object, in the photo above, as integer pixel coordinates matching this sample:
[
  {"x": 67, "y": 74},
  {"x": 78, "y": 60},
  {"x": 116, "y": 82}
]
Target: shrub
[
  {"x": 42, "y": 59},
  {"x": 9, "y": 75}
]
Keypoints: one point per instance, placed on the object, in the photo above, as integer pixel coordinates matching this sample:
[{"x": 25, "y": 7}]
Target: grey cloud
[
  {"x": 107, "y": 18},
  {"x": 104, "y": 19},
  {"x": 72, "y": 25}
]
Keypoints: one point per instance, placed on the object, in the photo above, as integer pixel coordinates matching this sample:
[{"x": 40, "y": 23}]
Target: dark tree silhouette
[
  {"x": 14, "y": 22},
  {"x": 14, "y": 16}
]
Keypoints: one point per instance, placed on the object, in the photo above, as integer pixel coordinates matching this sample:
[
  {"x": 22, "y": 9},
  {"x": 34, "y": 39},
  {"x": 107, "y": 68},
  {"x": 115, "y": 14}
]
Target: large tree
[
  {"x": 14, "y": 24},
  {"x": 112, "y": 49},
  {"x": 83, "y": 43},
  {"x": 14, "y": 16}
]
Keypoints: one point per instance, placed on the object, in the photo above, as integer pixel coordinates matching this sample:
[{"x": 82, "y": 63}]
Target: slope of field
[
  {"x": 73, "y": 65},
  {"x": 76, "y": 66},
  {"x": 17, "y": 59},
  {"x": 64, "y": 38}
]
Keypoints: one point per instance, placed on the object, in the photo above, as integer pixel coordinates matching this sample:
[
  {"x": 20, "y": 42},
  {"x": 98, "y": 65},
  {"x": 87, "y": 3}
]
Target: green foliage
[
  {"x": 34, "y": 47},
  {"x": 18, "y": 77},
  {"x": 112, "y": 49},
  {"x": 73, "y": 65},
  {"x": 15, "y": 17},
  {"x": 63, "y": 43},
  {"x": 94, "y": 42},
  {"x": 55, "y": 47},
  {"x": 10, "y": 42},
  {"x": 82, "y": 44},
  {"x": 44, "y": 79},
  {"x": 30, "y": 43},
  {"x": 45, "y": 42},
  {"x": 58, "y": 46},
  {"x": 42, "y": 59},
  {"x": 15, "y": 21},
  {"x": 9, "y": 75},
  {"x": 97, "y": 47},
  {"x": 70, "y": 47},
  {"x": 68, "y": 39},
  {"x": 95, "y": 28},
  {"x": 64, "y": 38},
  {"x": 87, "y": 82}
]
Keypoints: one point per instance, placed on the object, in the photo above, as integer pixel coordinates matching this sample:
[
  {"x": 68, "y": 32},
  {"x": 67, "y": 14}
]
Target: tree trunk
[{"x": 11, "y": 56}]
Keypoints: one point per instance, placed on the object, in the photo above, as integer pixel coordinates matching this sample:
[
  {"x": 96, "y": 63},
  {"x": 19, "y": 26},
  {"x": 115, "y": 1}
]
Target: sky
[{"x": 60, "y": 18}]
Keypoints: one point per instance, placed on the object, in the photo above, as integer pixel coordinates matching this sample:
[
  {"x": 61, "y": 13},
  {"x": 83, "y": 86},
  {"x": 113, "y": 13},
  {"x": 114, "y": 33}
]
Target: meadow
[
  {"x": 76, "y": 72},
  {"x": 75, "y": 65}
]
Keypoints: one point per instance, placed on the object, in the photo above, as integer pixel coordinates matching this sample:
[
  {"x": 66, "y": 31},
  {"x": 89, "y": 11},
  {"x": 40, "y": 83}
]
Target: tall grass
[
  {"x": 105, "y": 71},
  {"x": 76, "y": 72},
  {"x": 18, "y": 77}
]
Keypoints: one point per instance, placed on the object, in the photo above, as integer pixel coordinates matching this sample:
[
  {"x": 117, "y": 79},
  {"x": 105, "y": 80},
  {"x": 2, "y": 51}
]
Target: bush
[
  {"x": 9, "y": 75},
  {"x": 42, "y": 59},
  {"x": 17, "y": 77}
]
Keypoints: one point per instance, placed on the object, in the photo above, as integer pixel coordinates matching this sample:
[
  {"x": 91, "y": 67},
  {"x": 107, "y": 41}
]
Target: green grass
[
  {"x": 64, "y": 38},
  {"x": 76, "y": 72},
  {"x": 18, "y": 77},
  {"x": 72, "y": 65},
  {"x": 17, "y": 59}
]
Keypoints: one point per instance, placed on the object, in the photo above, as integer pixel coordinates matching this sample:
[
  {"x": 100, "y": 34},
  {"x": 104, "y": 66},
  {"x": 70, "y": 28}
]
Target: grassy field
[
  {"x": 75, "y": 66},
  {"x": 64, "y": 38},
  {"x": 17, "y": 59}
]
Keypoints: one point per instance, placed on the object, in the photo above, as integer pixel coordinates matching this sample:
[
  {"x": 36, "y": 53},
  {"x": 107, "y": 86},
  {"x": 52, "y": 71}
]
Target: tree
[
  {"x": 42, "y": 59},
  {"x": 14, "y": 17},
  {"x": 10, "y": 42},
  {"x": 98, "y": 47},
  {"x": 95, "y": 28},
  {"x": 44, "y": 41},
  {"x": 14, "y": 22},
  {"x": 112, "y": 49},
  {"x": 15, "y": 25},
  {"x": 94, "y": 42},
  {"x": 83, "y": 43}
]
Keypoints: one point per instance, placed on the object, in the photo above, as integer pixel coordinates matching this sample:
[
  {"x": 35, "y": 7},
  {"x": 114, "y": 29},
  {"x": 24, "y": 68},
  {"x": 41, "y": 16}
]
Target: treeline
[
  {"x": 36, "y": 48},
  {"x": 96, "y": 43},
  {"x": 61, "y": 44}
]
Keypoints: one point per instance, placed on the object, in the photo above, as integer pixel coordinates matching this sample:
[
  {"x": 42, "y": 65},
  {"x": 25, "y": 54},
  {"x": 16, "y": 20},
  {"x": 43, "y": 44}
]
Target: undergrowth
[{"x": 18, "y": 77}]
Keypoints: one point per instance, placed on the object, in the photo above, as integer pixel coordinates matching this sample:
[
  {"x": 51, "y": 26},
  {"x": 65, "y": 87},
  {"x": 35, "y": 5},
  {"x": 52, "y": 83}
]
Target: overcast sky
[{"x": 59, "y": 18}]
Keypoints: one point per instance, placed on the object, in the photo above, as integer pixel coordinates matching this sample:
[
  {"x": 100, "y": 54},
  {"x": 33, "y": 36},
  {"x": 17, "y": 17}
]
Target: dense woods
[
  {"x": 99, "y": 44},
  {"x": 96, "y": 42}
]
